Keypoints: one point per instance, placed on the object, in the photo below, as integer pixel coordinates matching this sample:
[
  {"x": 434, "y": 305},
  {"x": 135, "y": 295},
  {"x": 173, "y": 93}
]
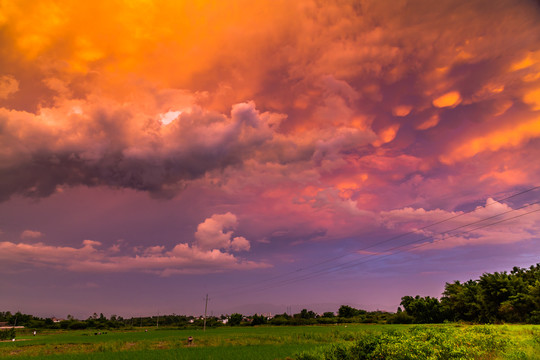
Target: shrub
[
  {"x": 419, "y": 343},
  {"x": 7, "y": 334}
]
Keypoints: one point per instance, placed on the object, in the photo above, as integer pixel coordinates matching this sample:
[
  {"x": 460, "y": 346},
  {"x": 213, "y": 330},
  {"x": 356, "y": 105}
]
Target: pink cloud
[
  {"x": 210, "y": 234},
  {"x": 31, "y": 234},
  {"x": 493, "y": 223},
  {"x": 181, "y": 259}
]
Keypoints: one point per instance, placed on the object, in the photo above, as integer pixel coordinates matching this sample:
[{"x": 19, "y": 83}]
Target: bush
[
  {"x": 7, "y": 334},
  {"x": 78, "y": 325},
  {"x": 418, "y": 343}
]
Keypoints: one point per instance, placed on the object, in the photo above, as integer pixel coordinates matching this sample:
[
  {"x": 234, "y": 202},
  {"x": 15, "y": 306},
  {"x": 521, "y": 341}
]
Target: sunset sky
[{"x": 269, "y": 153}]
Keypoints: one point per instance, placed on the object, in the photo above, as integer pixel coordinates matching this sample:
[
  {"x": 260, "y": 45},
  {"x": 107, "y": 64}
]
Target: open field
[{"x": 301, "y": 342}]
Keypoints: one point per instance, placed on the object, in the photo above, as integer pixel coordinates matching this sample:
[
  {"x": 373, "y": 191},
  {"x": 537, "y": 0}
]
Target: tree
[
  {"x": 305, "y": 314},
  {"x": 259, "y": 320},
  {"x": 346, "y": 311},
  {"x": 462, "y": 301},
  {"x": 425, "y": 310},
  {"x": 235, "y": 319}
]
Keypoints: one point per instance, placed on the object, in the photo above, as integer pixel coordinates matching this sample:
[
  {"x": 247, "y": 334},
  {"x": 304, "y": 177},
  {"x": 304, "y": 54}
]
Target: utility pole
[{"x": 205, "y": 307}]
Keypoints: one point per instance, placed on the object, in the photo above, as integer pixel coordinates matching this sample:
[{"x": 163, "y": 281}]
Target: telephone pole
[{"x": 205, "y": 307}]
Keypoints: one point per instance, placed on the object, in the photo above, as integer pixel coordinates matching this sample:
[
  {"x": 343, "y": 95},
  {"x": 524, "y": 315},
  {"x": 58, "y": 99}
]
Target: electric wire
[
  {"x": 495, "y": 201},
  {"x": 357, "y": 262},
  {"x": 380, "y": 256}
]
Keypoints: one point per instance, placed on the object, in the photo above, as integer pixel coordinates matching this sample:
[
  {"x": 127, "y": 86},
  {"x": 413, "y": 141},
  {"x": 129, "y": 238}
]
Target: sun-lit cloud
[
  {"x": 492, "y": 223},
  {"x": 402, "y": 110},
  {"x": 532, "y": 98},
  {"x": 310, "y": 120},
  {"x": 8, "y": 86},
  {"x": 450, "y": 99},
  {"x": 210, "y": 234},
  {"x": 507, "y": 136},
  {"x": 211, "y": 251},
  {"x": 92, "y": 257},
  {"x": 31, "y": 234}
]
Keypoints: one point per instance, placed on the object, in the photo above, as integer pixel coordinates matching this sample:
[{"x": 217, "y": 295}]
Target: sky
[{"x": 272, "y": 154}]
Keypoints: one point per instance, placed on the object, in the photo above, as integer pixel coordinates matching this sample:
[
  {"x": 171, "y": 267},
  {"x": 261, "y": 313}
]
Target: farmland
[{"x": 351, "y": 341}]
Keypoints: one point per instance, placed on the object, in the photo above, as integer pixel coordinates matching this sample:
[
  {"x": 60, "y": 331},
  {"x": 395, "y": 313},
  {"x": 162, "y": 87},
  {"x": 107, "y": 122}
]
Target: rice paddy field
[{"x": 351, "y": 341}]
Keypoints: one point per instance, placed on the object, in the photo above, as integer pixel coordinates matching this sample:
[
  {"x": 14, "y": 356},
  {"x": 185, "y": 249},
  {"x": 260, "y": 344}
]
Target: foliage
[
  {"x": 281, "y": 342},
  {"x": 494, "y": 298},
  {"x": 259, "y": 320},
  {"x": 418, "y": 343},
  {"x": 235, "y": 319},
  {"x": 7, "y": 334},
  {"x": 424, "y": 310},
  {"x": 346, "y": 311}
]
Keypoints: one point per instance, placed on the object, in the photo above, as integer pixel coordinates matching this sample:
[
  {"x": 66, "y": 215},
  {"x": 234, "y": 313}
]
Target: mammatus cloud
[
  {"x": 329, "y": 112},
  {"x": 8, "y": 86},
  {"x": 208, "y": 254}
]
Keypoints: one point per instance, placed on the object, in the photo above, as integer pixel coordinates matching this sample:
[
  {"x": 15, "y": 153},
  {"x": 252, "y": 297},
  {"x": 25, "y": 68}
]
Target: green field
[{"x": 351, "y": 341}]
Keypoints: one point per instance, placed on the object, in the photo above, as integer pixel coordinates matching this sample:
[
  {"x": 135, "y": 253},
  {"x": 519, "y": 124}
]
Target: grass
[{"x": 515, "y": 342}]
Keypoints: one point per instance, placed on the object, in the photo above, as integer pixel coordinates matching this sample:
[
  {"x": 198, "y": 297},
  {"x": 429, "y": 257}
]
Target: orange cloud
[
  {"x": 8, "y": 86},
  {"x": 387, "y": 135},
  {"x": 429, "y": 123},
  {"x": 532, "y": 98},
  {"x": 402, "y": 110},
  {"x": 450, "y": 99},
  {"x": 494, "y": 140}
]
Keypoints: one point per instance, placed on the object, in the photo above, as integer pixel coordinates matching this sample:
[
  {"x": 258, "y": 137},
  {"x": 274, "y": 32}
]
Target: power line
[
  {"x": 270, "y": 279},
  {"x": 353, "y": 263},
  {"x": 356, "y": 263},
  {"x": 380, "y": 256}
]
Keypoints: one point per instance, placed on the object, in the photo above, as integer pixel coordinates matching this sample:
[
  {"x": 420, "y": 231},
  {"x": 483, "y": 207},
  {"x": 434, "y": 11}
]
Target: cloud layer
[
  {"x": 309, "y": 121},
  {"x": 201, "y": 257}
]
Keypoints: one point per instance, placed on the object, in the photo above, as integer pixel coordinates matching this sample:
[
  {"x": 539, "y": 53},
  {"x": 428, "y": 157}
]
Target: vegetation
[
  {"x": 494, "y": 298},
  {"x": 7, "y": 334},
  {"x": 423, "y": 342},
  {"x": 348, "y": 341}
]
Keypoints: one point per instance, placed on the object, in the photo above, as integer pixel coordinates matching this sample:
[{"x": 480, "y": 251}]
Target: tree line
[{"x": 493, "y": 298}]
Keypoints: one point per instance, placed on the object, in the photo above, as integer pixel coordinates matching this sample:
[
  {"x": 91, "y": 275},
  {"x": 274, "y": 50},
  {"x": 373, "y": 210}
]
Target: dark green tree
[
  {"x": 424, "y": 310},
  {"x": 259, "y": 320},
  {"x": 235, "y": 319},
  {"x": 347, "y": 311}
]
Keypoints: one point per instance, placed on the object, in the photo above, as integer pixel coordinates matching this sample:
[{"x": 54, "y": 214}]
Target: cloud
[
  {"x": 8, "y": 85},
  {"x": 91, "y": 257},
  {"x": 31, "y": 234},
  {"x": 323, "y": 110},
  {"x": 491, "y": 224},
  {"x": 513, "y": 135},
  {"x": 80, "y": 143},
  {"x": 210, "y": 234},
  {"x": 450, "y": 99},
  {"x": 211, "y": 251}
]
